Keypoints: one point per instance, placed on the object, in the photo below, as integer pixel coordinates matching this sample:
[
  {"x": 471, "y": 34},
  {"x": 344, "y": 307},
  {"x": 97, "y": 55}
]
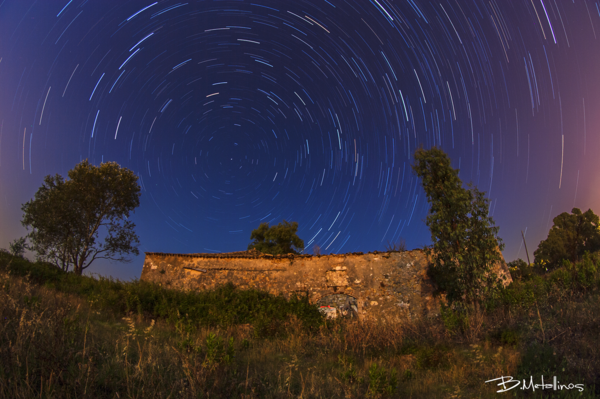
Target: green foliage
[
  {"x": 217, "y": 351},
  {"x": 569, "y": 238},
  {"x": 510, "y": 337},
  {"x": 349, "y": 373},
  {"x": 381, "y": 381},
  {"x": 429, "y": 356},
  {"x": 455, "y": 320},
  {"x": 67, "y": 217},
  {"x": 276, "y": 240},
  {"x": 525, "y": 293},
  {"x": 224, "y": 306},
  {"x": 465, "y": 241},
  {"x": 18, "y": 247},
  {"x": 561, "y": 282},
  {"x": 520, "y": 270},
  {"x": 507, "y": 335},
  {"x": 587, "y": 270},
  {"x": 582, "y": 275}
]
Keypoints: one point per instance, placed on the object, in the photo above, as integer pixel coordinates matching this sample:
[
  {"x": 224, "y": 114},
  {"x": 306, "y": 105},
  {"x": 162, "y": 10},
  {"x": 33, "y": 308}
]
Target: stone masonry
[{"x": 382, "y": 285}]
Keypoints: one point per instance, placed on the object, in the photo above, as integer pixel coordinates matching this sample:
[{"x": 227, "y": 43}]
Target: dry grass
[{"x": 55, "y": 345}]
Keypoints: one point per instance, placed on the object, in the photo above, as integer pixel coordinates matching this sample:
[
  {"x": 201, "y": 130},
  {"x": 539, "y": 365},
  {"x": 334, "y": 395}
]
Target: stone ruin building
[{"x": 382, "y": 285}]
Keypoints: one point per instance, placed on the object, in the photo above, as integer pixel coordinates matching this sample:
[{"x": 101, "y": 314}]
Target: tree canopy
[
  {"x": 276, "y": 240},
  {"x": 569, "y": 238},
  {"x": 465, "y": 241},
  {"x": 18, "y": 246},
  {"x": 66, "y": 217}
]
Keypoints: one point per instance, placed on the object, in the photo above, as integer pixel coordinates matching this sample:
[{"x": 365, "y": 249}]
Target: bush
[
  {"x": 587, "y": 271},
  {"x": 525, "y": 293},
  {"x": 455, "y": 320},
  {"x": 507, "y": 336},
  {"x": 381, "y": 381},
  {"x": 561, "y": 278},
  {"x": 582, "y": 275},
  {"x": 520, "y": 270}
]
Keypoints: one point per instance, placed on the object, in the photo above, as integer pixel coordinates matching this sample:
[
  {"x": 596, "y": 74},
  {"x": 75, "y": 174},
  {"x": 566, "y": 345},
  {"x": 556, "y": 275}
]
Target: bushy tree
[
  {"x": 18, "y": 247},
  {"x": 465, "y": 241},
  {"x": 276, "y": 240},
  {"x": 569, "y": 238},
  {"x": 66, "y": 217}
]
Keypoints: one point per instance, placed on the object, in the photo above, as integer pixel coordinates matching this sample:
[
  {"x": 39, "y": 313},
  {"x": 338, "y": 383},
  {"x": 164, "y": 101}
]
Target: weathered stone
[{"x": 374, "y": 285}]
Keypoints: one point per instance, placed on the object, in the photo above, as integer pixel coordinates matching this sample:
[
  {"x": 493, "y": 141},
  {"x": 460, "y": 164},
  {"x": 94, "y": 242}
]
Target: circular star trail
[{"x": 235, "y": 113}]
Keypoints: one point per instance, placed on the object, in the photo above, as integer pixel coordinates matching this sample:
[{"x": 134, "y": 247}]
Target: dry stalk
[{"x": 541, "y": 325}]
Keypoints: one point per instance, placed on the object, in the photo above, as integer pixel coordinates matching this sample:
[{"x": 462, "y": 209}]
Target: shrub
[
  {"x": 455, "y": 320},
  {"x": 507, "y": 336},
  {"x": 587, "y": 271},
  {"x": 561, "y": 278},
  {"x": 520, "y": 270},
  {"x": 381, "y": 381}
]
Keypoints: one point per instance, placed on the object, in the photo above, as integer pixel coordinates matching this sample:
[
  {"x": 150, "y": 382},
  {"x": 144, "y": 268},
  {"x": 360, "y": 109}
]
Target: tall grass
[{"x": 64, "y": 336}]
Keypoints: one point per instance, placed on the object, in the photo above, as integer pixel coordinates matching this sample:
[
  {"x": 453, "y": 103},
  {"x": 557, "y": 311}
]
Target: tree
[
  {"x": 276, "y": 240},
  {"x": 569, "y": 238},
  {"x": 18, "y": 247},
  {"x": 465, "y": 242},
  {"x": 66, "y": 217}
]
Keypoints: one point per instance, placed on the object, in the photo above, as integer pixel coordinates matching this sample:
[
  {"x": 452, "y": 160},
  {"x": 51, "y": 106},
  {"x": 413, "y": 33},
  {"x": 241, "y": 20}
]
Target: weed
[
  {"x": 381, "y": 381},
  {"x": 349, "y": 374}
]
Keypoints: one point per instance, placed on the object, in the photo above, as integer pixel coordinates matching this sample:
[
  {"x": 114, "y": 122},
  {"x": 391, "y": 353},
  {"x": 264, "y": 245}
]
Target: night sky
[{"x": 234, "y": 113}]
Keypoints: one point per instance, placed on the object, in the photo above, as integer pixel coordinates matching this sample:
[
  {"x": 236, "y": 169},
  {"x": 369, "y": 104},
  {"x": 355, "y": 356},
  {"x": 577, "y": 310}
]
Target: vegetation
[
  {"x": 64, "y": 335},
  {"x": 519, "y": 269},
  {"x": 276, "y": 240},
  {"x": 70, "y": 336},
  {"x": 465, "y": 240},
  {"x": 397, "y": 246},
  {"x": 317, "y": 250},
  {"x": 67, "y": 217},
  {"x": 569, "y": 238},
  {"x": 17, "y": 247},
  {"x": 225, "y": 306}
]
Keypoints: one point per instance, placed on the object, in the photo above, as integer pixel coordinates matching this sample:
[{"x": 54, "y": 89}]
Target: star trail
[{"x": 234, "y": 113}]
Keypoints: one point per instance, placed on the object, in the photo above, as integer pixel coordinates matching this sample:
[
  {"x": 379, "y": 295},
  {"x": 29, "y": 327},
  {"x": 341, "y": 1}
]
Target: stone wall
[{"x": 379, "y": 285}]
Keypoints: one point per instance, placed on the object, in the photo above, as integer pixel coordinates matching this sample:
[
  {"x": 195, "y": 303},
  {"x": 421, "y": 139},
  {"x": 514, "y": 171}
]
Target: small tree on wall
[
  {"x": 396, "y": 246},
  {"x": 465, "y": 240},
  {"x": 276, "y": 240}
]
